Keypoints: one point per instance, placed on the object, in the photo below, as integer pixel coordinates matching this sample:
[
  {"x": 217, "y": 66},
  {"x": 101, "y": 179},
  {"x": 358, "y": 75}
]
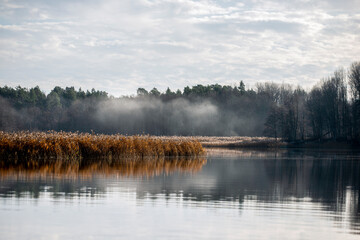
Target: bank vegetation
[{"x": 33, "y": 149}]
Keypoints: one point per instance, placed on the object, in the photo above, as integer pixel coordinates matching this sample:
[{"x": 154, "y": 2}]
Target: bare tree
[
  {"x": 354, "y": 82},
  {"x": 315, "y": 106}
]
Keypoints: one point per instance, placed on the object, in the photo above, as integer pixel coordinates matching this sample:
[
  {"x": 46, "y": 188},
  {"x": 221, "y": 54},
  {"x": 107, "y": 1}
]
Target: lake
[{"x": 229, "y": 194}]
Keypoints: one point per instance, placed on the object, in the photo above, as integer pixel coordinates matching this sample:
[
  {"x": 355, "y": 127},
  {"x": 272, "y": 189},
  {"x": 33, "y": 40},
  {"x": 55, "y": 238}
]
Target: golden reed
[{"x": 33, "y": 149}]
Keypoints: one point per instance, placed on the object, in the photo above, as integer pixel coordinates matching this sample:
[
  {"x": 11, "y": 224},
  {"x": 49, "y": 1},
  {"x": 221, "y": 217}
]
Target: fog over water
[
  {"x": 177, "y": 117},
  {"x": 137, "y": 116}
]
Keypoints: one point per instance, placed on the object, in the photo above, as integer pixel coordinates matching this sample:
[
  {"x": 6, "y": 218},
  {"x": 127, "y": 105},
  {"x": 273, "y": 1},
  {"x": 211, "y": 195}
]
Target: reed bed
[{"x": 34, "y": 149}]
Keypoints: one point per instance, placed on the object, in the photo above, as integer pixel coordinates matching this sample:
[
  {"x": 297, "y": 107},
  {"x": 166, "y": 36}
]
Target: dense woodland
[{"x": 330, "y": 111}]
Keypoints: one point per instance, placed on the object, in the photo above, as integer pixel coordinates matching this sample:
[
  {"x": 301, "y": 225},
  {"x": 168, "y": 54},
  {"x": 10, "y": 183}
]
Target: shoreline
[{"x": 267, "y": 143}]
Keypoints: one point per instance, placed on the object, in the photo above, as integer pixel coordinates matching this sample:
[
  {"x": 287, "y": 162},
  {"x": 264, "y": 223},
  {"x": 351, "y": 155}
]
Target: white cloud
[{"x": 118, "y": 46}]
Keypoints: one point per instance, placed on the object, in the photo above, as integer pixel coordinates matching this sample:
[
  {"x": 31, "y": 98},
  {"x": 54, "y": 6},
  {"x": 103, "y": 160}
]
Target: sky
[{"x": 119, "y": 46}]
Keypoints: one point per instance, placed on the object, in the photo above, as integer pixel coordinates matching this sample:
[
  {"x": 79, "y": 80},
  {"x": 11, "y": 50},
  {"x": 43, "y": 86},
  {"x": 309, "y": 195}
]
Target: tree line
[{"x": 330, "y": 111}]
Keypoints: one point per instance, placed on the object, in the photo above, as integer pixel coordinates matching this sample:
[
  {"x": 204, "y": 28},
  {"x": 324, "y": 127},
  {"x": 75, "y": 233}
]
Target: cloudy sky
[{"x": 118, "y": 46}]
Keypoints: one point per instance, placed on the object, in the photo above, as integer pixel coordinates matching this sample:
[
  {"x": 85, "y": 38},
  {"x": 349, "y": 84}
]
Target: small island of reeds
[{"x": 39, "y": 148}]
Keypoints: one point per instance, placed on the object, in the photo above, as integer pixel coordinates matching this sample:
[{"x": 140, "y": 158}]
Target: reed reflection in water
[
  {"x": 126, "y": 167},
  {"x": 67, "y": 179}
]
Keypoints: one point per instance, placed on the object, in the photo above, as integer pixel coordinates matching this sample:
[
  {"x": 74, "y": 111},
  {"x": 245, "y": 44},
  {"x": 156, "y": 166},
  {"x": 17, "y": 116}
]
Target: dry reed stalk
[{"x": 34, "y": 149}]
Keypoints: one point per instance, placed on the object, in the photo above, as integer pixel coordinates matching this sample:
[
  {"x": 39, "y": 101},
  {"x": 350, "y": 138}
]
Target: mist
[
  {"x": 176, "y": 117},
  {"x": 138, "y": 115}
]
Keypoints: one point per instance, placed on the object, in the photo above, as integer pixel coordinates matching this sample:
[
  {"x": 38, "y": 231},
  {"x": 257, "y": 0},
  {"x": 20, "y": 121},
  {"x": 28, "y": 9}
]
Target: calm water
[{"x": 228, "y": 195}]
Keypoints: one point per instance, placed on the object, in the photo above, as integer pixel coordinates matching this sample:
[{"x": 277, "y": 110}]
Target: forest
[{"x": 329, "y": 111}]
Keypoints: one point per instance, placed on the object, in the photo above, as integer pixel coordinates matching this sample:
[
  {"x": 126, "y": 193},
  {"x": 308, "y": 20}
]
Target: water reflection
[
  {"x": 87, "y": 180},
  {"x": 126, "y": 167},
  {"x": 310, "y": 185}
]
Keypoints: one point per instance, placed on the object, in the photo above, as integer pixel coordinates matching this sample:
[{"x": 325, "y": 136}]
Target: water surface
[{"x": 228, "y": 195}]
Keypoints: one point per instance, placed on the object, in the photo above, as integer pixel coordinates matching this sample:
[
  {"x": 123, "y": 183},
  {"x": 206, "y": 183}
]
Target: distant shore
[
  {"x": 240, "y": 142},
  {"x": 270, "y": 143}
]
